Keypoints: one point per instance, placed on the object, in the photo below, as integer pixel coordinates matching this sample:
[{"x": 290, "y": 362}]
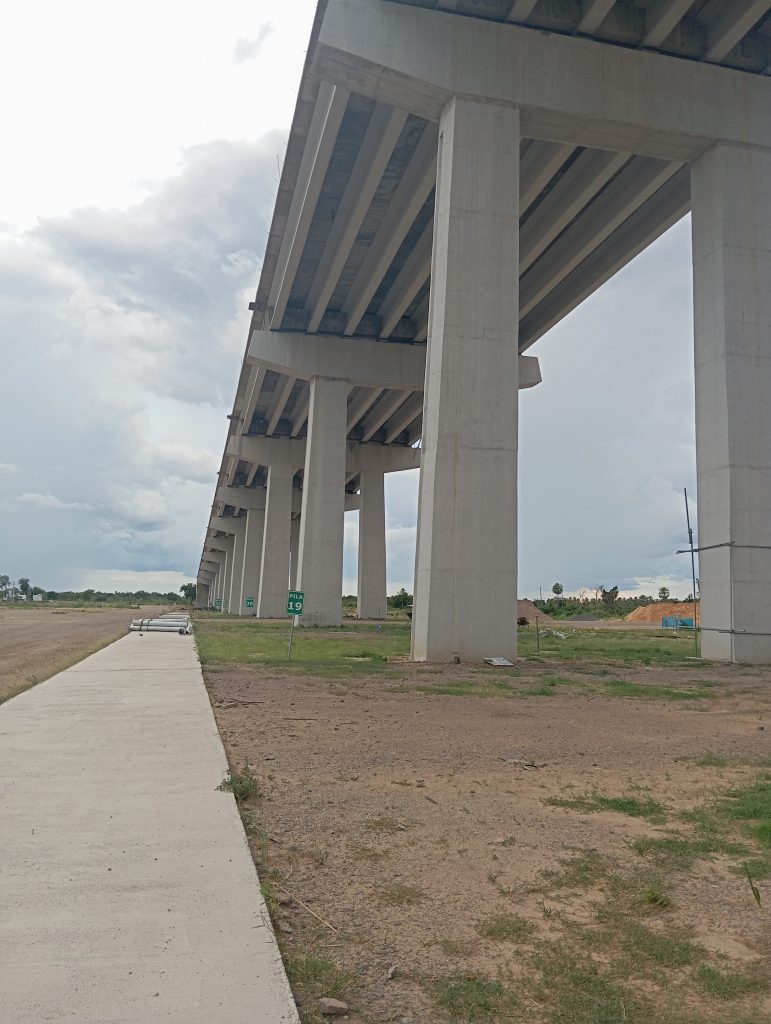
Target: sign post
[
  {"x": 294, "y": 608},
  {"x": 249, "y": 602},
  {"x": 218, "y": 604}
]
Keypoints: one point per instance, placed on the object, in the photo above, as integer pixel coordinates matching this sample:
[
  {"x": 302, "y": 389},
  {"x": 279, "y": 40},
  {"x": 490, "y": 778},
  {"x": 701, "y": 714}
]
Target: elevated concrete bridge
[{"x": 459, "y": 176}]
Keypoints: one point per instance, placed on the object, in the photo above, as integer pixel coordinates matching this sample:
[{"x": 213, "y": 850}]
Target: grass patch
[
  {"x": 315, "y": 976},
  {"x": 677, "y": 852},
  {"x": 578, "y": 872},
  {"x": 647, "y": 691},
  {"x": 474, "y": 998},
  {"x": 652, "y": 647},
  {"x": 653, "y": 895},
  {"x": 367, "y": 853},
  {"x": 580, "y": 992},
  {"x": 243, "y": 785},
  {"x": 729, "y": 984},
  {"x": 506, "y": 927},
  {"x": 664, "y": 950},
  {"x": 461, "y": 688},
  {"x": 394, "y": 894},
  {"x": 635, "y": 807}
]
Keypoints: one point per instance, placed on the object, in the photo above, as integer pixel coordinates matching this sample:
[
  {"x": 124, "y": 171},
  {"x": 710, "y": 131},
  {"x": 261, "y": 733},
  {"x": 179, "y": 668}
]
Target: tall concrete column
[
  {"x": 202, "y": 594},
  {"x": 236, "y": 576},
  {"x": 274, "y": 574},
  {"x": 294, "y": 552},
  {"x": 252, "y": 565},
  {"x": 372, "y": 601},
  {"x": 227, "y": 544},
  {"x": 731, "y": 199},
  {"x": 320, "y": 570},
  {"x": 466, "y": 567}
]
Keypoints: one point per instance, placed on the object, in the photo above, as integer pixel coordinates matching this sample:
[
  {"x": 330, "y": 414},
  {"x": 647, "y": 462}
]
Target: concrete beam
[
  {"x": 410, "y": 195},
  {"x": 662, "y": 17},
  {"x": 382, "y": 134},
  {"x": 645, "y": 225},
  {"x": 640, "y": 180},
  {"x": 733, "y": 24},
  {"x": 250, "y": 498},
  {"x": 325, "y": 125},
  {"x": 593, "y": 14},
  {"x": 537, "y": 167},
  {"x": 362, "y": 363},
  {"x": 269, "y": 451},
  {"x": 521, "y": 10},
  {"x": 568, "y": 89},
  {"x": 408, "y": 282}
]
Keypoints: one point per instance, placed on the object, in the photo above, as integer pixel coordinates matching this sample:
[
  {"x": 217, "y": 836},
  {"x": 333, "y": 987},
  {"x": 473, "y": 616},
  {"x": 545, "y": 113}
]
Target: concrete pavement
[{"x": 127, "y": 891}]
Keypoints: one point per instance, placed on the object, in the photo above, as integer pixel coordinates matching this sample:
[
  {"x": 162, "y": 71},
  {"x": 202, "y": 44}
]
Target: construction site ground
[
  {"x": 582, "y": 839},
  {"x": 37, "y": 642}
]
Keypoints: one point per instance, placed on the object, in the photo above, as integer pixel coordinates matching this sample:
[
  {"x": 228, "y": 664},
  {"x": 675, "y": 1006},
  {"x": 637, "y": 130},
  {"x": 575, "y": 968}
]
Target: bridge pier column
[
  {"x": 227, "y": 544},
  {"x": 731, "y": 199},
  {"x": 320, "y": 568},
  {"x": 250, "y": 574},
  {"x": 274, "y": 573},
  {"x": 466, "y": 559},
  {"x": 201, "y": 594},
  {"x": 372, "y": 601},
  {"x": 294, "y": 552},
  {"x": 236, "y": 575}
]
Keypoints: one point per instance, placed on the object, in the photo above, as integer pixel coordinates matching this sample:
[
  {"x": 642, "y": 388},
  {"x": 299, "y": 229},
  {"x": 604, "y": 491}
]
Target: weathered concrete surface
[{"x": 127, "y": 890}]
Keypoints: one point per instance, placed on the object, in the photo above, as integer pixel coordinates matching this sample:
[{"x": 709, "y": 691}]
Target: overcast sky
[{"x": 142, "y": 147}]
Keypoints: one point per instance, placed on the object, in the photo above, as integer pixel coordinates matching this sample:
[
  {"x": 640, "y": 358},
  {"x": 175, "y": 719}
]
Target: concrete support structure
[
  {"x": 320, "y": 567},
  {"x": 466, "y": 561},
  {"x": 250, "y": 572},
  {"x": 236, "y": 575},
  {"x": 294, "y": 551},
  {"x": 372, "y": 603},
  {"x": 731, "y": 197},
  {"x": 227, "y": 544},
  {"x": 274, "y": 572}
]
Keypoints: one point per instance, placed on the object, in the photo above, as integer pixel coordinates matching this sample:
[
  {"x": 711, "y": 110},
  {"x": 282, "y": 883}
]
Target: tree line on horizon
[
  {"x": 22, "y": 588},
  {"x": 605, "y": 602}
]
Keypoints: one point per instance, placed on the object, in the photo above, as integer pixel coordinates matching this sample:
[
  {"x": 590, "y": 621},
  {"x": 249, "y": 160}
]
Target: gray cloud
[
  {"x": 127, "y": 330},
  {"x": 248, "y": 49}
]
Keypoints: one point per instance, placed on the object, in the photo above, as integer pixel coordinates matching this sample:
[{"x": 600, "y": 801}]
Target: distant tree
[
  {"x": 188, "y": 591},
  {"x": 37, "y": 590},
  {"x": 557, "y": 589},
  {"x": 24, "y": 587},
  {"x": 401, "y": 599},
  {"x": 663, "y": 593},
  {"x": 609, "y": 596},
  {"x": 5, "y": 582}
]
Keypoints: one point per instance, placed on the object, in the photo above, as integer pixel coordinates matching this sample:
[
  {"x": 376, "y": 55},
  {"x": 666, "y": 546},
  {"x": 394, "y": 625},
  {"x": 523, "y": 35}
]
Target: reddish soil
[
  {"x": 36, "y": 643},
  {"x": 654, "y": 612},
  {"x": 366, "y": 790}
]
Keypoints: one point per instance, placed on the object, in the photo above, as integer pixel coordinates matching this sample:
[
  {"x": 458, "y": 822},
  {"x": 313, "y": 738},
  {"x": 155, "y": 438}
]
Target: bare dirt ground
[
  {"x": 36, "y": 643},
  {"x": 412, "y": 822}
]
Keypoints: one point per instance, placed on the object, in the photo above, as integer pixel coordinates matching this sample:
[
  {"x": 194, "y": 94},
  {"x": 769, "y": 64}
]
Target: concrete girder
[
  {"x": 633, "y": 186},
  {"x": 380, "y": 413},
  {"x": 608, "y": 97},
  {"x": 592, "y": 170},
  {"x": 382, "y": 134},
  {"x": 645, "y": 225},
  {"x": 521, "y": 10},
  {"x": 331, "y": 103},
  {"x": 732, "y": 26},
  {"x": 361, "y": 404},
  {"x": 362, "y": 363},
  {"x": 662, "y": 17},
  {"x": 420, "y": 318},
  {"x": 537, "y": 167},
  {"x": 410, "y": 279},
  {"x": 256, "y": 380},
  {"x": 300, "y": 413},
  {"x": 410, "y": 195},
  {"x": 283, "y": 390},
  {"x": 594, "y": 12},
  {"x": 406, "y": 415}
]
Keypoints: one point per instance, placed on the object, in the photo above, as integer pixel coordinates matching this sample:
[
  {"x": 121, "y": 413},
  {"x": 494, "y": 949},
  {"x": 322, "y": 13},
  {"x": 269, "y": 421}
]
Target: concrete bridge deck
[{"x": 127, "y": 890}]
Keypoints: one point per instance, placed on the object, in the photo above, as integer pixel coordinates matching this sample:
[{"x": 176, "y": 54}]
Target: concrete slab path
[{"x": 127, "y": 891}]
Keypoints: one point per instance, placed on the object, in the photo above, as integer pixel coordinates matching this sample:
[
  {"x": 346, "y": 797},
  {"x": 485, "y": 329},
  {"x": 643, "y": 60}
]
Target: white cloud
[
  {"x": 8, "y": 467},
  {"x": 50, "y": 501}
]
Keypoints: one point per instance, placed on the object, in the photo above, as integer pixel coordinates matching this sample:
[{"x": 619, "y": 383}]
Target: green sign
[
  {"x": 249, "y": 602},
  {"x": 218, "y": 603},
  {"x": 294, "y": 602}
]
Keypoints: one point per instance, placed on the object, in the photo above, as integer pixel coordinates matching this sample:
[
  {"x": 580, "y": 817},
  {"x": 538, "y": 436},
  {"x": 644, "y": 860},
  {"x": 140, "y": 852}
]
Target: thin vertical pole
[
  {"x": 537, "y": 636},
  {"x": 693, "y": 572},
  {"x": 291, "y": 634}
]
